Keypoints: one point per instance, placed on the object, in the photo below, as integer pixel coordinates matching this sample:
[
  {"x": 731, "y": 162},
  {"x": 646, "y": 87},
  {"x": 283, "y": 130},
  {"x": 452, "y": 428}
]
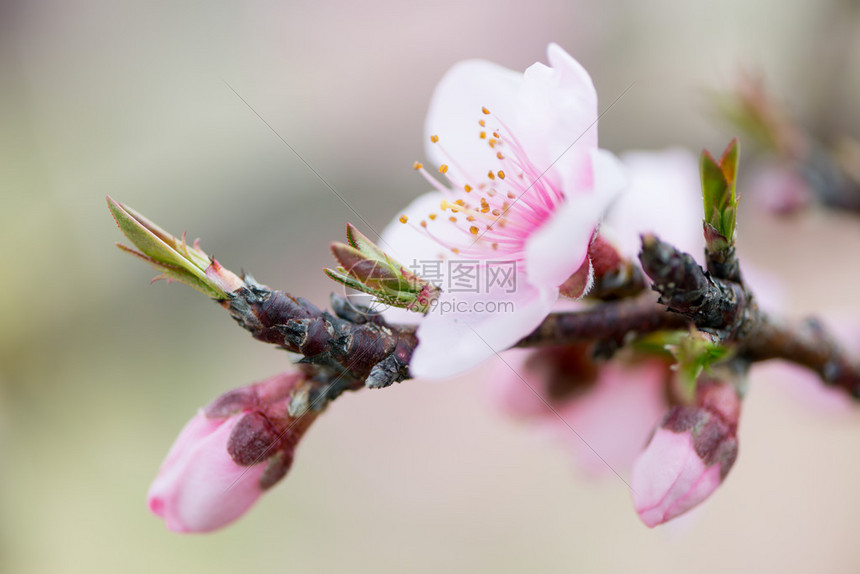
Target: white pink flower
[{"x": 525, "y": 185}]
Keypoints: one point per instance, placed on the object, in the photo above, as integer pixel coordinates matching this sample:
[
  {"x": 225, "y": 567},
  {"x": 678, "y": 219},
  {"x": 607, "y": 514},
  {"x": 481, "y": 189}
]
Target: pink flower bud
[
  {"x": 688, "y": 457},
  {"x": 227, "y": 455}
]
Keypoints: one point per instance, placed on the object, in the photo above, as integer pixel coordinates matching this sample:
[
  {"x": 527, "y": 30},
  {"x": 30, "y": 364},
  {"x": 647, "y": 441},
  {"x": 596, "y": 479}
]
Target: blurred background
[{"x": 99, "y": 370}]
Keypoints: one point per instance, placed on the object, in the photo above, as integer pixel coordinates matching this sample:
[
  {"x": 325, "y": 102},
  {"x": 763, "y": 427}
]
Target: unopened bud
[
  {"x": 228, "y": 454},
  {"x": 689, "y": 455}
]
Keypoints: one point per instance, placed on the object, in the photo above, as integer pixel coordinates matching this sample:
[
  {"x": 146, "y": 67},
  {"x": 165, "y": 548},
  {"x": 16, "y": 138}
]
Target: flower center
[{"x": 493, "y": 214}]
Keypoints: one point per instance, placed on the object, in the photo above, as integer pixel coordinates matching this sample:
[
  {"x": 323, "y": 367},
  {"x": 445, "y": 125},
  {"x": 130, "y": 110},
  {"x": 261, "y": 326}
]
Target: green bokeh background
[{"x": 99, "y": 370}]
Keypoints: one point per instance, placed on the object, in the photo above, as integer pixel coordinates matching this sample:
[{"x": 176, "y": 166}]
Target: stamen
[
  {"x": 403, "y": 219},
  {"x": 433, "y": 181},
  {"x": 505, "y": 216}
]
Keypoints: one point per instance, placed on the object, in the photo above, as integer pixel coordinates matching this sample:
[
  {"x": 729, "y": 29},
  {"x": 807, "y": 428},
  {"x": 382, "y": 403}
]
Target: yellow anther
[
  {"x": 493, "y": 142},
  {"x": 486, "y": 111},
  {"x": 482, "y": 123},
  {"x": 467, "y": 187},
  {"x": 473, "y": 230},
  {"x": 501, "y": 174},
  {"x": 403, "y": 219},
  {"x": 491, "y": 175},
  {"x": 434, "y": 138},
  {"x": 432, "y": 216},
  {"x": 512, "y": 195},
  {"x": 452, "y": 219},
  {"x": 443, "y": 168},
  {"x": 500, "y": 156},
  {"x": 417, "y": 165},
  {"x": 482, "y": 135},
  {"x": 460, "y": 202},
  {"x": 423, "y": 223}
]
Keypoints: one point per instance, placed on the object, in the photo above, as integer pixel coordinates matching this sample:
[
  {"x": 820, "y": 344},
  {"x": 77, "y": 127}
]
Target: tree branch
[
  {"x": 808, "y": 344},
  {"x": 728, "y": 310},
  {"x": 615, "y": 321}
]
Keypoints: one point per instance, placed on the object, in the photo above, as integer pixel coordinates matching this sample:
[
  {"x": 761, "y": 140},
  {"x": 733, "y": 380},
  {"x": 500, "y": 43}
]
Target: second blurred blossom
[{"x": 613, "y": 407}]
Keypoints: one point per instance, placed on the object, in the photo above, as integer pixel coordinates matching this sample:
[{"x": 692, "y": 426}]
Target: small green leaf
[
  {"x": 172, "y": 256},
  {"x": 719, "y": 196},
  {"x": 360, "y": 242},
  {"x": 729, "y": 163},
  {"x": 695, "y": 352},
  {"x": 658, "y": 342},
  {"x": 366, "y": 268},
  {"x": 341, "y": 277}
]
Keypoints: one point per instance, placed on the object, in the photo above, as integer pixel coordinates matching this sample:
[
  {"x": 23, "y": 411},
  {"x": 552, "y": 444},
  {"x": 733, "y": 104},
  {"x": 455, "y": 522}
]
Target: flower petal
[
  {"x": 557, "y": 119},
  {"x": 666, "y": 476},
  {"x": 559, "y": 248},
  {"x": 204, "y": 489},
  {"x": 456, "y": 109},
  {"x": 614, "y": 415},
  {"x": 611, "y": 414},
  {"x": 663, "y": 197},
  {"x": 413, "y": 248},
  {"x": 453, "y": 342},
  {"x": 509, "y": 393}
]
